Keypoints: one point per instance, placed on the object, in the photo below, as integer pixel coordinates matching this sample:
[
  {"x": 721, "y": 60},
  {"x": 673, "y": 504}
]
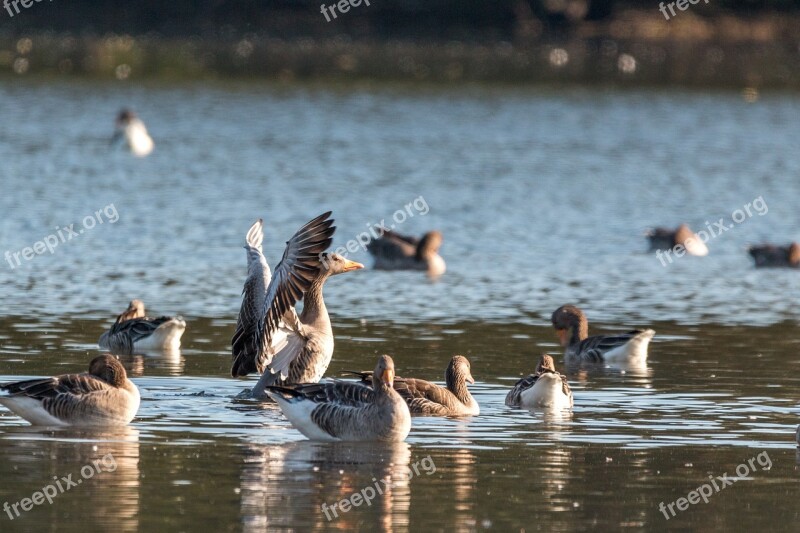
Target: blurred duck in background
[
  {"x": 769, "y": 255},
  {"x": 134, "y": 332},
  {"x": 130, "y": 128},
  {"x": 393, "y": 251},
  {"x": 666, "y": 239}
]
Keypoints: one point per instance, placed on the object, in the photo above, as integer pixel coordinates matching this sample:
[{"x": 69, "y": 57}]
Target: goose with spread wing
[
  {"x": 270, "y": 337},
  {"x": 135, "y": 332},
  {"x": 393, "y": 251},
  {"x": 347, "y": 411},
  {"x": 101, "y": 397},
  {"x": 426, "y": 398},
  {"x": 572, "y": 328},
  {"x": 544, "y": 388}
]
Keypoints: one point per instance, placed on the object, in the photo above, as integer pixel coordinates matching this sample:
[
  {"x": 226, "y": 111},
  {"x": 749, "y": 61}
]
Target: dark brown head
[
  {"x": 458, "y": 372},
  {"x": 108, "y": 368},
  {"x": 546, "y": 364},
  {"x": 383, "y": 376},
  {"x": 570, "y": 324},
  {"x": 124, "y": 117},
  {"x": 429, "y": 245},
  {"x": 333, "y": 263}
]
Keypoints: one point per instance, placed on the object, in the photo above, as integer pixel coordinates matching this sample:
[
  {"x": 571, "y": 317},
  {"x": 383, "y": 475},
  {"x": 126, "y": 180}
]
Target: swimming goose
[
  {"x": 134, "y": 332},
  {"x": 665, "y": 239},
  {"x": 768, "y": 255},
  {"x": 426, "y": 398},
  {"x": 270, "y": 337},
  {"x": 393, "y": 251},
  {"x": 544, "y": 388},
  {"x": 133, "y": 130},
  {"x": 103, "y": 396},
  {"x": 573, "y": 333},
  {"x": 347, "y": 411}
]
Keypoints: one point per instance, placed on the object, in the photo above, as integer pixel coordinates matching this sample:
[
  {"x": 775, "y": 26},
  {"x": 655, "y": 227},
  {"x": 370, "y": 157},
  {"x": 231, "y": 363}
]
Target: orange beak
[
  {"x": 388, "y": 377},
  {"x": 562, "y": 336},
  {"x": 470, "y": 379},
  {"x": 352, "y": 265}
]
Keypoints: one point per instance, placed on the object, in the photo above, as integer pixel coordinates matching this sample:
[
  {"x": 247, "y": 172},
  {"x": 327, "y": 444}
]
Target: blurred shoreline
[{"x": 635, "y": 48}]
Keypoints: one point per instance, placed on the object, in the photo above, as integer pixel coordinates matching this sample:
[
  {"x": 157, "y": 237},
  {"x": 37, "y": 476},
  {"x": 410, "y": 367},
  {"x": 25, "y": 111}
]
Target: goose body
[
  {"x": 346, "y": 411},
  {"x": 665, "y": 239},
  {"x": 270, "y": 337},
  {"x": 101, "y": 397},
  {"x": 573, "y": 333},
  {"x": 134, "y": 332},
  {"x": 426, "y": 398},
  {"x": 768, "y": 255},
  {"x": 393, "y": 251},
  {"x": 130, "y": 128},
  {"x": 544, "y": 388}
]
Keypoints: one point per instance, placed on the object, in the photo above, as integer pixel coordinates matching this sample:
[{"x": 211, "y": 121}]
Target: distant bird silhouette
[
  {"x": 393, "y": 251},
  {"x": 665, "y": 239},
  {"x": 768, "y": 255},
  {"x": 130, "y": 128}
]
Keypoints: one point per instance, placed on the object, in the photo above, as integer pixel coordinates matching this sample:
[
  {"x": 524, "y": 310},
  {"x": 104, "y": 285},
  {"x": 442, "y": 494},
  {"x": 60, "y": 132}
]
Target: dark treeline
[{"x": 458, "y": 19}]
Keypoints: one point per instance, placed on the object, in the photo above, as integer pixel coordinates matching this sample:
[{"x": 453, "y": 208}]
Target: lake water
[{"x": 543, "y": 197}]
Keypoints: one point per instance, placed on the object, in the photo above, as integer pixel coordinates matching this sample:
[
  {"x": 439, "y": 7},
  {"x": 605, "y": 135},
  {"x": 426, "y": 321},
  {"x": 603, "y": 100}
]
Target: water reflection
[
  {"x": 280, "y": 484},
  {"x": 171, "y": 360},
  {"x": 93, "y": 475}
]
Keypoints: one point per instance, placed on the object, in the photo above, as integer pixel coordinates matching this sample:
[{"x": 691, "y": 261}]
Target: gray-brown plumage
[
  {"x": 544, "y": 388},
  {"x": 102, "y": 396},
  {"x": 393, "y": 251},
  {"x": 347, "y": 411},
  {"x": 135, "y": 332},
  {"x": 769, "y": 255},
  {"x": 572, "y": 328},
  {"x": 426, "y": 398},
  {"x": 270, "y": 337}
]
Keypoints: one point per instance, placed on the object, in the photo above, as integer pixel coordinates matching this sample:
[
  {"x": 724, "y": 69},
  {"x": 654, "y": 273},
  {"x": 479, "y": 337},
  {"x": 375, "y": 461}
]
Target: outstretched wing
[
  {"x": 244, "y": 343},
  {"x": 291, "y": 279}
]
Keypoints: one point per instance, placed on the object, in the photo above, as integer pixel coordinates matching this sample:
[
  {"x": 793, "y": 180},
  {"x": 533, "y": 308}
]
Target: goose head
[
  {"x": 383, "y": 376},
  {"x": 458, "y": 372},
  {"x": 429, "y": 245},
  {"x": 109, "y": 369},
  {"x": 570, "y": 323},
  {"x": 546, "y": 364},
  {"x": 333, "y": 263}
]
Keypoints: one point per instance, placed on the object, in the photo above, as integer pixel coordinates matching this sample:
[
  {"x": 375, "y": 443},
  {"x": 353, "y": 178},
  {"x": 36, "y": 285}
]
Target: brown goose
[
  {"x": 544, "y": 388},
  {"x": 426, "y": 398},
  {"x": 393, "y": 251},
  {"x": 665, "y": 239},
  {"x": 347, "y": 411},
  {"x": 572, "y": 328},
  {"x": 134, "y": 332},
  {"x": 270, "y": 337},
  {"x": 103, "y": 396},
  {"x": 768, "y": 255}
]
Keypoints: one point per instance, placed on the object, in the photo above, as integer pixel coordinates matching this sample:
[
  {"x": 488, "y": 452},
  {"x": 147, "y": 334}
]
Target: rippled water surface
[{"x": 543, "y": 198}]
